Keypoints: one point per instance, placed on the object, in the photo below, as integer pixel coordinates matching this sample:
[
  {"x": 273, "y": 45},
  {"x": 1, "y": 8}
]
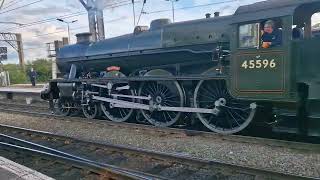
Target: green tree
[
  {"x": 17, "y": 75},
  {"x": 43, "y": 67}
]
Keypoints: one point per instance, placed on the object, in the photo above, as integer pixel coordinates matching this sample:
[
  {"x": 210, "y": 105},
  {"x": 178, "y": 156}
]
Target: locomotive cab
[
  {"x": 257, "y": 72},
  {"x": 287, "y": 73},
  {"x": 275, "y": 72}
]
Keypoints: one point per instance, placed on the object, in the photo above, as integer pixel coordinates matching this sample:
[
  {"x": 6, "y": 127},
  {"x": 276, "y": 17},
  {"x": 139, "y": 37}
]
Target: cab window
[
  {"x": 315, "y": 21},
  {"x": 249, "y": 35},
  {"x": 307, "y": 20}
]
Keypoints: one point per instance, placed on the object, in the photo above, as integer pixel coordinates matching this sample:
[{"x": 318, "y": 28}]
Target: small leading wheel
[
  {"x": 163, "y": 93},
  {"x": 118, "y": 114},
  {"x": 232, "y": 115},
  {"x": 91, "y": 110},
  {"x": 62, "y": 107}
]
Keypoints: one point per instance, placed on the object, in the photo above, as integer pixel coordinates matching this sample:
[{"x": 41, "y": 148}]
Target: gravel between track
[{"x": 259, "y": 156}]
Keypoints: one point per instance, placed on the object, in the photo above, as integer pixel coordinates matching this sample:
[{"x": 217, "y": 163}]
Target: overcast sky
[{"x": 118, "y": 20}]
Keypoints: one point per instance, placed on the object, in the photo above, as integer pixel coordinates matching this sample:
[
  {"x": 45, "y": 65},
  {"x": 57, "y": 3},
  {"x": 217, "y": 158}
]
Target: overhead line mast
[
  {"x": 134, "y": 13},
  {"x": 95, "y": 16},
  {"x": 1, "y": 4}
]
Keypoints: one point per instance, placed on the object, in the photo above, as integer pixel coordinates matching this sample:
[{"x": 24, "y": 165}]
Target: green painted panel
[
  {"x": 261, "y": 74},
  {"x": 306, "y": 54},
  {"x": 276, "y": 83}
]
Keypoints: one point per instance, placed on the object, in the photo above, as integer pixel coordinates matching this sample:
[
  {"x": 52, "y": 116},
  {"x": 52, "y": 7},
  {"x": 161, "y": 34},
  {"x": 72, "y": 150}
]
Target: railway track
[
  {"x": 61, "y": 165},
  {"x": 24, "y": 107},
  {"x": 314, "y": 146},
  {"x": 162, "y": 165}
]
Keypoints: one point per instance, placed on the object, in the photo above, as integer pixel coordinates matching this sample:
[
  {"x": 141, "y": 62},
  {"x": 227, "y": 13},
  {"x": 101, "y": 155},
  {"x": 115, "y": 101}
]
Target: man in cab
[{"x": 271, "y": 36}]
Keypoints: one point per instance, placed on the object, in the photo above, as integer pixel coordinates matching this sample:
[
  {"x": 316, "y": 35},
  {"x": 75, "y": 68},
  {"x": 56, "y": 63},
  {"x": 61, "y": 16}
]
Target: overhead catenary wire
[
  {"x": 142, "y": 10},
  {"x": 128, "y": 2},
  {"x": 77, "y": 28},
  {"x": 83, "y": 12},
  {"x": 192, "y": 7},
  {"x": 11, "y": 3},
  {"x": 71, "y": 15},
  {"x": 182, "y": 8},
  {"x": 62, "y": 31},
  {"x": 46, "y": 20},
  {"x": 110, "y": 6},
  {"x": 118, "y": 4},
  {"x": 144, "y": 2},
  {"x": 20, "y": 7}
]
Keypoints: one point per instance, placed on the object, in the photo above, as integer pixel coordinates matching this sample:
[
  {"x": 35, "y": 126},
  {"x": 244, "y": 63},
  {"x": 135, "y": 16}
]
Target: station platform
[
  {"x": 10, "y": 170},
  {"x": 28, "y": 93},
  {"x": 26, "y": 86}
]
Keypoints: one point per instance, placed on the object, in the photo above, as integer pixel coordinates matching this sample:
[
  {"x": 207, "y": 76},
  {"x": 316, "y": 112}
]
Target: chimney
[
  {"x": 208, "y": 15},
  {"x": 216, "y": 14},
  {"x": 83, "y": 38}
]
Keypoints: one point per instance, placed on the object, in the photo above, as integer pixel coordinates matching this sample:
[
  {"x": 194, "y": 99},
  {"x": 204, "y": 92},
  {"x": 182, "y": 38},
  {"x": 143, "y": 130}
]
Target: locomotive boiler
[{"x": 213, "y": 70}]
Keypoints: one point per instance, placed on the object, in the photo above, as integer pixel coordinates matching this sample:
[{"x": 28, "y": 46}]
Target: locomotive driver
[{"x": 271, "y": 36}]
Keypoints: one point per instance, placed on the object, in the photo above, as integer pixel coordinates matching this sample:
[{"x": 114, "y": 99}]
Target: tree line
[{"x": 43, "y": 67}]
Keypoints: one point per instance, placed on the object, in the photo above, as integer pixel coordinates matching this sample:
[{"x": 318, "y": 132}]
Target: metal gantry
[{"x": 15, "y": 41}]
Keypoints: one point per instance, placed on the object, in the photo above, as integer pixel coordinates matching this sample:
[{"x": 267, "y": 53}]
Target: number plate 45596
[{"x": 259, "y": 64}]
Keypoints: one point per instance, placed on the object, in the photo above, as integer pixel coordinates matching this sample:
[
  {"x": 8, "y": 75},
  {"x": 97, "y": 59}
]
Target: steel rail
[
  {"x": 23, "y": 105},
  {"x": 88, "y": 167},
  {"x": 10, "y": 148},
  {"x": 23, "y": 146},
  {"x": 159, "y": 155},
  {"x": 27, "y": 112}
]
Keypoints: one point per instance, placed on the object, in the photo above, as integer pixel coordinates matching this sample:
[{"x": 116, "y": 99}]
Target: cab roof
[{"x": 269, "y": 9}]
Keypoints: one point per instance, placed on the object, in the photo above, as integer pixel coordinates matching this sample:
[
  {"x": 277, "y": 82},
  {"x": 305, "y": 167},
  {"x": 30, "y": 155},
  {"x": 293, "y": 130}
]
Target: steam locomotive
[{"x": 212, "y": 70}]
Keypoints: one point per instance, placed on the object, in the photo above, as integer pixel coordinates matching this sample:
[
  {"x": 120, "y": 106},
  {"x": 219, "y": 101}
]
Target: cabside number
[{"x": 259, "y": 64}]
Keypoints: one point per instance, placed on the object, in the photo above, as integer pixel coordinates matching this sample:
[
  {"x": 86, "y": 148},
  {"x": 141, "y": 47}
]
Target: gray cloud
[{"x": 52, "y": 10}]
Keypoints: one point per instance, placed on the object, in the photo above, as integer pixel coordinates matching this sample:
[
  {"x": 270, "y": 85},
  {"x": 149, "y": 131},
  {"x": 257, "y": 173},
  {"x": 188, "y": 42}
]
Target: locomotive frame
[{"x": 226, "y": 91}]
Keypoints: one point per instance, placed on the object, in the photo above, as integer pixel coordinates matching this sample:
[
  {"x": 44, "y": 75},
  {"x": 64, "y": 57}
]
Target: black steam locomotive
[{"x": 213, "y": 70}]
